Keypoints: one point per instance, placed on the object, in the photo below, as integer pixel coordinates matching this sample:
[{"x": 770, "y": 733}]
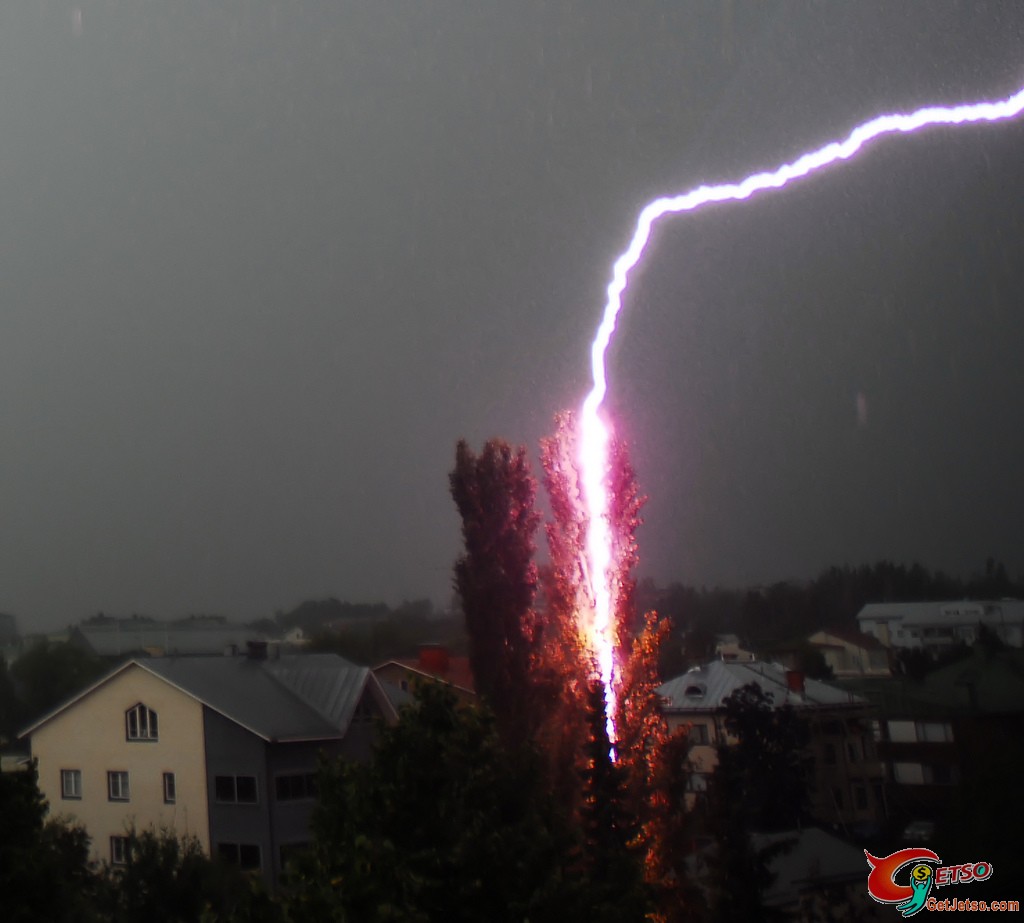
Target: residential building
[
  {"x": 849, "y": 652},
  {"x": 937, "y": 733},
  {"x": 845, "y": 774},
  {"x": 223, "y": 749},
  {"x": 727, "y": 648},
  {"x": 434, "y": 663},
  {"x": 937, "y": 626}
]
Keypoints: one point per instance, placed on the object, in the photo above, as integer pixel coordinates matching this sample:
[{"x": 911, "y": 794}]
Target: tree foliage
[
  {"x": 47, "y": 674},
  {"x": 758, "y": 786},
  {"x": 44, "y": 868},
  {"x": 446, "y": 823},
  {"x": 496, "y": 577}
]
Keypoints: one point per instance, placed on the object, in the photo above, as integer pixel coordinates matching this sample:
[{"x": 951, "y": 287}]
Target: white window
[
  {"x": 119, "y": 850},
  {"x": 71, "y": 783},
  {"x": 170, "y": 788},
  {"x": 117, "y": 786},
  {"x": 140, "y": 723}
]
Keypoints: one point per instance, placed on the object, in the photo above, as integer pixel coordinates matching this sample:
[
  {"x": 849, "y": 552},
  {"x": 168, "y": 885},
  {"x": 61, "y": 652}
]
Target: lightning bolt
[{"x": 594, "y": 433}]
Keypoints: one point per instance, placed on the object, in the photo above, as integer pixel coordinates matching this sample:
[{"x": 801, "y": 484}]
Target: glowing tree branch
[{"x": 593, "y": 431}]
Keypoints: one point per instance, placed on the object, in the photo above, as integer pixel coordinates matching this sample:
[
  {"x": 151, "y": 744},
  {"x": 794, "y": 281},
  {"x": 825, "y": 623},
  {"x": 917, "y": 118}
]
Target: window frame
[
  {"x": 218, "y": 780},
  {"x": 295, "y": 786},
  {"x": 123, "y": 786},
  {"x": 141, "y": 724},
  {"x": 170, "y": 790},
  {"x": 74, "y": 775},
  {"x": 231, "y": 852},
  {"x": 119, "y": 847}
]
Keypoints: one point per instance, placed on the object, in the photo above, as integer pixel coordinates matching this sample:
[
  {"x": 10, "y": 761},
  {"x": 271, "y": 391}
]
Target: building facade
[
  {"x": 221, "y": 749},
  {"x": 936, "y": 626},
  {"x": 845, "y": 775}
]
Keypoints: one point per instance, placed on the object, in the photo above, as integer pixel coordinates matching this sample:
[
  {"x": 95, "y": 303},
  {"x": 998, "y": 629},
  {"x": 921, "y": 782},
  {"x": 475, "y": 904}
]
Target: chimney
[
  {"x": 434, "y": 659},
  {"x": 795, "y": 681}
]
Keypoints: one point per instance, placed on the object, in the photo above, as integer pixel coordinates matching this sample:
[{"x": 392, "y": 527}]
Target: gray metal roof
[
  {"x": 815, "y": 860},
  {"x": 706, "y": 688},
  {"x": 172, "y": 638},
  {"x": 294, "y": 697}
]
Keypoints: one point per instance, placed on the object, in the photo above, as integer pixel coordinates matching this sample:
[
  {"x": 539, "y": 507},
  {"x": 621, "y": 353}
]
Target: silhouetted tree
[
  {"x": 496, "y": 578},
  {"x": 757, "y": 786},
  {"x": 445, "y": 823},
  {"x": 44, "y": 866},
  {"x": 168, "y": 878},
  {"x": 613, "y": 858}
]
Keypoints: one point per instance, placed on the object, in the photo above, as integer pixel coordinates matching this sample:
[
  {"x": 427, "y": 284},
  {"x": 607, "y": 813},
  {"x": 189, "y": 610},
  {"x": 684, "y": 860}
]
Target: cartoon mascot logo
[{"x": 909, "y": 899}]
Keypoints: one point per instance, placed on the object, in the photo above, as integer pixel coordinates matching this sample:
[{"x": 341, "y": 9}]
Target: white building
[{"x": 934, "y": 626}]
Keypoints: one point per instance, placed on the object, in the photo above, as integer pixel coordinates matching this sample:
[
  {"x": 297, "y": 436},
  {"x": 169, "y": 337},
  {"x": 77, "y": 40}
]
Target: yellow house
[{"x": 223, "y": 749}]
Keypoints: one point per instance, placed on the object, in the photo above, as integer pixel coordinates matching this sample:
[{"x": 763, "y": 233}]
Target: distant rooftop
[
  {"x": 706, "y": 688},
  {"x": 186, "y": 637}
]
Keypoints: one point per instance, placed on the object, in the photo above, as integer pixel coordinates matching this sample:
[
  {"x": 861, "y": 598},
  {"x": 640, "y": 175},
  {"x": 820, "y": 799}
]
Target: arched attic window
[
  {"x": 695, "y": 691},
  {"x": 140, "y": 723}
]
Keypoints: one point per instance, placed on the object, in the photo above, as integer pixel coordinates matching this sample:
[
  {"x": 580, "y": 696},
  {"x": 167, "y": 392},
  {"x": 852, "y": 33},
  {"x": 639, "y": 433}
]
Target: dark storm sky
[{"x": 263, "y": 263}]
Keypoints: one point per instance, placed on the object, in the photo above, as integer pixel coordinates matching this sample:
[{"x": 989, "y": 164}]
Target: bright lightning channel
[{"x": 594, "y": 433}]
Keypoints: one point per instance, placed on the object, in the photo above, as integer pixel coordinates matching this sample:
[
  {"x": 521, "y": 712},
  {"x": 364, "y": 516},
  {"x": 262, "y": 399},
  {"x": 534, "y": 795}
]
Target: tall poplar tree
[{"x": 496, "y": 578}]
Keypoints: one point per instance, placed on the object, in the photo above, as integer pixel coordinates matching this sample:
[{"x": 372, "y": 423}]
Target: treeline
[
  {"x": 371, "y": 633},
  {"x": 787, "y": 610},
  {"x": 45, "y": 675}
]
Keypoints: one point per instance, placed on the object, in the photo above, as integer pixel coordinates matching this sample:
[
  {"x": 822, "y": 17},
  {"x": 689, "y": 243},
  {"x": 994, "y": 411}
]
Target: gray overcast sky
[{"x": 263, "y": 263}]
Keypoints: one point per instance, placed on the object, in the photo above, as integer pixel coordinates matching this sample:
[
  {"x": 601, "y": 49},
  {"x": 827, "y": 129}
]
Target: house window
[
  {"x": 902, "y": 732},
  {"x": 117, "y": 786},
  {"x": 852, "y": 751},
  {"x": 170, "y": 788},
  {"x": 235, "y": 789},
  {"x": 860, "y": 796},
  {"x": 71, "y": 783},
  {"x": 935, "y": 731},
  {"x": 837, "y": 795},
  {"x": 830, "y": 754},
  {"x": 245, "y": 855},
  {"x": 140, "y": 723},
  {"x": 698, "y": 734},
  {"x": 295, "y": 787},
  {"x": 119, "y": 850},
  {"x": 908, "y": 773}
]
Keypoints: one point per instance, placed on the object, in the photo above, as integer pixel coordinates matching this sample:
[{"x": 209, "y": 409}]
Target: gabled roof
[
  {"x": 291, "y": 698},
  {"x": 850, "y": 636},
  {"x": 706, "y": 688},
  {"x": 458, "y": 672},
  {"x": 814, "y": 860}
]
